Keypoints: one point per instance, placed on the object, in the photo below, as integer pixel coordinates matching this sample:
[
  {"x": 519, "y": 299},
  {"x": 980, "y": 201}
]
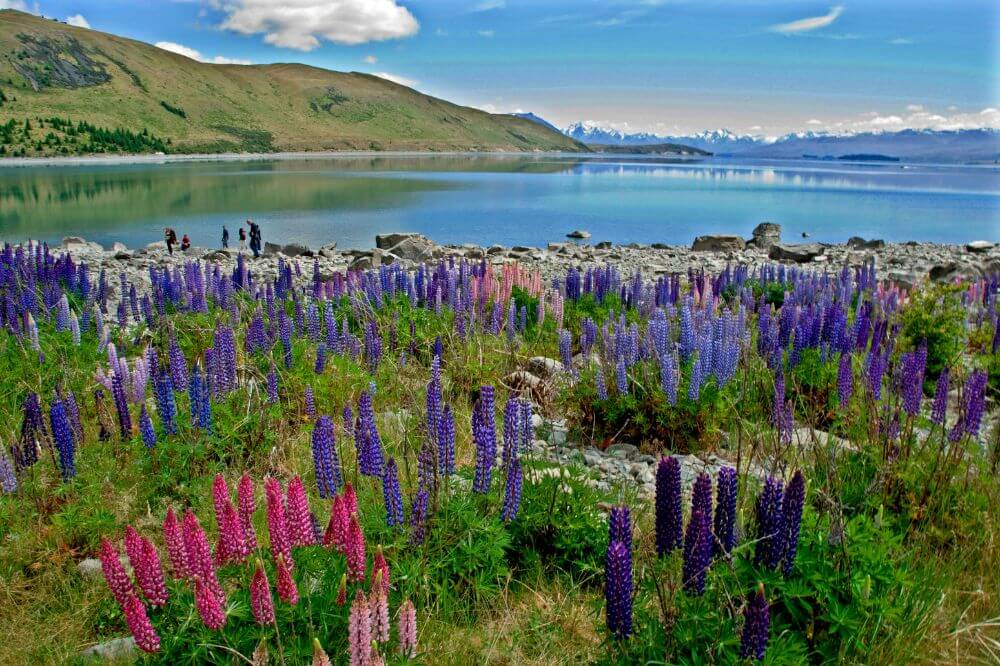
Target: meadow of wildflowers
[{"x": 342, "y": 469}]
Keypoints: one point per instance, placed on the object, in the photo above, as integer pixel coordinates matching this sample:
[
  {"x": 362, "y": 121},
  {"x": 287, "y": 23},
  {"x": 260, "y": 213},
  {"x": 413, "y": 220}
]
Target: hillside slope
[{"x": 49, "y": 69}]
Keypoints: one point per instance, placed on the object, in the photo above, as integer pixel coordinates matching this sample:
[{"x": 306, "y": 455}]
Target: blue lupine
[
  {"x": 975, "y": 401},
  {"x": 62, "y": 437},
  {"x": 940, "y": 405},
  {"x": 621, "y": 378},
  {"x": 325, "y": 459},
  {"x": 392, "y": 495},
  {"x": 845, "y": 379},
  {"x": 725, "y": 511},
  {"x": 512, "y": 490},
  {"x": 669, "y": 525},
  {"x": 566, "y": 349},
  {"x": 756, "y": 626},
  {"x": 320, "y": 358},
  {"x": 310, "y": 401},
  {"x": 770, "y": 547},
  {"x": 484, "y": 436},
  {"x": 146, "y": 429},
  {"x": 601, "y": 384},
  {"x": 370, "y": 457},
  {"x": 166, "y": 408},
  {"x": 446, "y": 442},
  {"x": 697, "y": 552},
  {"x": 272, "y": 385},
  {"x": 791, "y": 510}
]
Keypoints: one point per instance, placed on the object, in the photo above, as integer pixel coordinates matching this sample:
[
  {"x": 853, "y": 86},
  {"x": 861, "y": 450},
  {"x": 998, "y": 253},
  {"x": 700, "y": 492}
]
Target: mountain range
[
  {"x": 71, "y": 90},
  {"x": 970, "y": 145}
]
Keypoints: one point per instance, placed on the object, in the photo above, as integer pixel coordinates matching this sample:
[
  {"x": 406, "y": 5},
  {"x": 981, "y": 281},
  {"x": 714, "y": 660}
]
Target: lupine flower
[
  {"x": 320, "y": 359},
  {"x": 355, "y": 550},
  {"x": 115, "y": 574},
  {"x": 380, "y": 567},
  {"x": 756, "y": 626},
  {"x": 484, "y": 435},
  {"x": 310, "y": 402},
  {"x": 701, "y": 495},
  {"x": 336, "y": 530},
  {"x": 320, "y": 657},
  {"x": 601, "y": 385},
  {"x": 975, "y": 401},
  {"x": 392, "y": 495},
  {"x": 325, "y": 458},
  {"x": 8, "y": 479},
  {"x": 379, "y": 607},
  {"x": 199, "y": 554},
  {"x": 139, "y": 625},
  {"x": 770, "y": 546},
  {"x": 512, "y": 491},
  {"x": 208, "y": 605},
  {"x": 370, "y": 457},
  {"x": 272, "y": 385},
  {"x": 174, "y": 539},
  {"x": 232, "y": 546},
  {"x": 408, "y": 630},
  {"x": 566, "y": 349},
  {"x": 146, "y": 565},
  {"x": 418, "y": 517},
  {"x": 359, "y": 631},
  {"x": 163, "y": 388},
  {"x": 620, "y": 526},
  {"x": 792, "y": 503},
  {"x": 446, "y": 442},
  {"x": 246, "y": 508},
  {"x": 261, "y": 601},
  {"x": 697, "y": 552},
  {"x": 276, "y": 522},
  {"x": 940, "y": 406},
  {"x": 62, "y": 436},
  {"x": 287, "y": 591},
  {"x": 621, "y": 378},
  {"x": 845, "y": 379},
  {"x": 350, "y": 499},
  {"x": 618, "y": 589},
  {"x": 725, "y": 511},
  {"x": 342, "y": 590},
  {"x": 146, "y": 429},
  {"x": 669, "y": 527},
  {"x": 297, "y": 514}
]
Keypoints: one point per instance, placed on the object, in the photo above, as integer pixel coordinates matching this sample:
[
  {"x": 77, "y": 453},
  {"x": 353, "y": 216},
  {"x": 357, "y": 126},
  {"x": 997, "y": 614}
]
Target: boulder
[
  {"x": 955, "y": 270},
  {"x": 660, "y": 246},
  {"x": 73, "y": 240},
  {"x": 578, "y": 233},
  {"x": 296, "y": 250},
  {"x": 158, "y": 245},
  {"x": 977, "y": 246},
  {"x": 115, "y": 650},
  {"x": 544, "y": 366},
  {"x": 119, "y": 247},
  {"x": 603, "y": 245},
  {"x": 387, "y": 241},
  {"x": 765, "y": 235},
  {"x": 800, "y": 254},
  {"x": 859, "y": 243},
  {"x": 414, "y": 248},
  {"x": 718, "y": 244},
  {"x": 90, "y": 567},
  {"x": 904, "y": 278},
  {"x": 216, "y": 255},
  {"x": 271, "y": 249},
  {"x": 494, "y": 249},
  {"x": 366, "y": 260}
]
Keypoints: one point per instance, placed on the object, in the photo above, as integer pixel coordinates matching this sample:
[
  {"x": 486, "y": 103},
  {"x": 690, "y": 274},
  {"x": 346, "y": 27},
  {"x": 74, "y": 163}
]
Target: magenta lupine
[
  {"x": 336, "y": 530},
  {"x": 174, "y": 539},
  {"x": 408, "y": 630},
  {"x": 247, "y": 506},
  {"x": 220, "y": 497},
  {"x": 208, "y": 605},
  {"x": 342, "y": 590},
  {"x": 139, "y": 625},
  {"x": 355, "y": 550},
  {"x": 115, "y": 574},
  {"x": 199, "y": 555},
  {"x": 618, "y": 589},
  {"x": 146, "y": 566},
  {"x": 232, "y": 546},
  {"x": 756, "y": 626},
  {"x": 350, "y": 499},
  {"x": 276, "y": 522},
  {"x": 380, "y": 567},
  {"x": 287, "y": 590},
  {"x": 359, "y": 631},
  {"x": 261, "y": 601},
  {"x": 297, "y": 514},
  {"x": 669, "y": 520}
]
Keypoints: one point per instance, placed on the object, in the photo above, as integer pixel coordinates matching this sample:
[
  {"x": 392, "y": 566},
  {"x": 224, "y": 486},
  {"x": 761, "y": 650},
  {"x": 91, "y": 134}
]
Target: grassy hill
[{"x": 148, "y": 99}]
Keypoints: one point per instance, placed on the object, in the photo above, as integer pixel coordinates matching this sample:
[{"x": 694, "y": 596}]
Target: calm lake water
[{"x": 498, "y": 199}]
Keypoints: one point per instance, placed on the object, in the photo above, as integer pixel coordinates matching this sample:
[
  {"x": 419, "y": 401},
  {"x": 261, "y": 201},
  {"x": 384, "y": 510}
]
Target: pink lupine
[
  {"x": 220, "y": 497},
  {"x": 244, "y": 494},
  {"x": 350, "y": 499},
  {"x": 408, "y": 630},
  {"x": 287, "y": 591},
  {"x": 380, "y": 572},
  {"x": 355, "y": 551},
  {"x": 174, "y": 538},
  {"x": 336, "y": 531},
  {"x": 379, "y": 609},
  {"x": 300, "y": 527},
  {"x": 139, "y": 624},
  {"x": 375, "y": 658},
  {"x": 359, "y": 631},
  {"x": 200, "y": 555},
  {"x": 261, "y": 601},
  {"x": 276, "y": 523},
  {"x": 320, "y": 657},
  {"x": 149, "y": 573},
  {"x": 342, "y": 591},
  {"x": 115, "y": 574},
  {"x": 208, "y": 605},
  {"x": 232, "y": 546}
]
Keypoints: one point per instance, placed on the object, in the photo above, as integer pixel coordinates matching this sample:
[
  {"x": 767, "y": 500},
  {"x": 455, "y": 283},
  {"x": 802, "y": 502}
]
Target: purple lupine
[
  {"x": 146, "y": 428},
  {"x": 620, "y": 525},
  {"x": 370, "y": 457},
  {"x": 325, "y": 458},
  {"x": 484, "y": 436},
  {"x": 621, "y": 378},
  {"x": 669, "y": 521},
  {"x": 845, "y": 379},
  {"x": 418, "y": 517},
  {"x": 178, "y": 364},
  {"x": 725, "y": 511},
  {"x": 770, "y": 546},
  {"x": 512, "y": 490},
  {"x": 975, "y": 401},
  {"x": 391, "y": 494},
  {"x": 196, "y": 387},
  {"x": 940, "y": 406},
  {"x": 320, "y": 358},
  {"x": 701, "y": 495},
  {"x": 121, "y": 405},
  {"x": 272, "y": 385},
  {"x": 794, "y": 500},
  {"x": 618, "y": 589},
  {"x": 166, "y": 408},
  {"x": 8, "y": 479},
  {"x": 756, "y": 626},
  {"x": 310, "y": 403},
  {"x": 373, "y": 346},
  {"x": 912, "y": 379},
  {"x": 62, "y": 437},
  {"x": 601, "y": 384},
  {"x": 446, "y": 442},
  {"x": 778, "y": 404},
  {"x": 566, "y": 349},
  {"x": 697, "y": 551}
]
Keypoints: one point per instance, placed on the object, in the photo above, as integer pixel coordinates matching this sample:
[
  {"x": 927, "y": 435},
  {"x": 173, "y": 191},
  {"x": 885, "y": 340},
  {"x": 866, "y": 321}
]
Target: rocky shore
[{"x": 906, "y": 264}]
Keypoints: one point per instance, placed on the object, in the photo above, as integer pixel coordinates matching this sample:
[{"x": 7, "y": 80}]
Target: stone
[
  {"x": 718, "y": 244},
  {"x": 157, "y": 245},
  {"x": 117, "y": 649},
  {"x": 119, "y": 247},
  {"x": 271, "y": 249},
  {"x": 216, "y": 255},
  {"x": 977, "y": 246},
  {"x": 387, "y": 241},
  {"x": 954, "y": 270},
  {"x": 123, "y": 255},
  {"x": 578, "y": 233},
  {"x": 859, "y": 243},
  {"x": 904, "y": 278},
  {"x": 660, "y": 246},
  {"x": 765, "y": 235},
  {"x": 296, "y": 250},
  {"x": 603, "y": 245},
  {"x": 414, "y": 248},
  {"x": 622, "y": 451},
  {"x": 800, "y": 254},
  {"x": 67, "y": 241},
  {"x": 90, "y": 568},
  {"x": 544, "y": 366},
  {"x": 804, "y": 437},
  {"x": 366, "y": 260},
  {"x": 494, "y": 249}
]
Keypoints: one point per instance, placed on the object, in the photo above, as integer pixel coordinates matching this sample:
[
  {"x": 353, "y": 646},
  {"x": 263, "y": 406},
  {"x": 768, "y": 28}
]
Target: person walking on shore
[
  {"x": 171, "y": 238},
  {"x": 225, "y": 237},
  {"x": 254, "y": 238},
  {"x": 185, "y": 243},
  {"x": 243, "y": 239}
]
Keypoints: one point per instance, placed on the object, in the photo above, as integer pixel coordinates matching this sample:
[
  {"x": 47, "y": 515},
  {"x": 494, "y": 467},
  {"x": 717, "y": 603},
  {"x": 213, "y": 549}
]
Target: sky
[{"x": 665, "y": 66}]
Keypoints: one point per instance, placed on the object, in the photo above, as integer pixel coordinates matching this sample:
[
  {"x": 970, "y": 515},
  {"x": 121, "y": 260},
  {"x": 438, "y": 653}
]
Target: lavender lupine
[
  {"x": 669, "y": 526},
  {"x": 484, "y": 436},
  {"x": 756, "y": 626},
  {"x": 272, "y": 385},
  {"x": 601, "y": 384},
  {"x": 975, "y": 401},
  {"x": 446, "y": 442},
  {"x": 310, "y": 401},
  {"x": 8, "y": 479},
  {"x": 618, "y": 589},
  {"x": 320, "y": 359},
  {"x": 621, "y": 377},
  {"x": 418, "y": 517},
  {"x": 370, "y": 457},
  {"x": 391, "y": 494},
  {"x": 146, "y": 428},
  {"x": 770, "y": 547},
  {"x": 325, "y": 458},
  {"x": 725, "y": 511},
  {"x": 845, "y": 379},
  {"x": 566, "y": 349},
  {"x": 63, "y": 438},
  {"x": 792, "y": 504}
]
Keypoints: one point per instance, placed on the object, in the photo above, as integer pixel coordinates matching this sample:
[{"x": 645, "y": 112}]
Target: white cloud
[
  {"x": 78, "y": 21},
  {"x": 487, "y": 33},
  {"x": 21, "y": 6},
  {"x": 195, "y": 54},
  {"x": 489, "y": 5},
  {"x": 814, "y": 121},
  {"x": 917, "y": 117},
  {"x": 300, "y": 24},
  {"x": 914, "y": 107},
  {"x": 401, "y": 80},
  {"x": 809, "y": 24},
  {"x": 900, "y": 41},
  {"x": 370, "y": 59}
]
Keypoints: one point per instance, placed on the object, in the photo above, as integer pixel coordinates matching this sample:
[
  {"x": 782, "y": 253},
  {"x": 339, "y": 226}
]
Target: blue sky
[{"x": 669, "y": 66}]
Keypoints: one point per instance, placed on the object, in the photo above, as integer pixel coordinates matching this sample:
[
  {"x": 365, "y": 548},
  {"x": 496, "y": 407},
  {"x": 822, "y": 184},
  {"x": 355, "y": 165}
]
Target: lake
[{"x": 505, "y": 199}]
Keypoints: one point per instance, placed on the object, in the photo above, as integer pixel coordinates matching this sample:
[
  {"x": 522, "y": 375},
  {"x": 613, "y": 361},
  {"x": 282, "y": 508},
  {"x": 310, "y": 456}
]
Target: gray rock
[
  {"x": 414, "y": 248},
  {"x": 904, "y": 278},
  {"x": 622, "y": 451},
  {"x": 859, "y": 243},
  {"x": 216, "y": 255},
  {"x": 801, "y": 254},
  {"x": 718, "y": 244},
  {"x": 366, "y": 260},
  {"x": 119, "y": 247},
  {"x": 123, "y": 255},
  {"x": 113, "y": 650},
  {"x": 980, "y": 246},
  {"x": 578, "y": 233},
  {"x": 603, "y": 245},
  {"x": 386, "y": 241},
  {"x": 765, "y": 235},
  {"x": 90, "y": 567},
  {"x": 953, "y": 270},
  {"x": 296, "y": 250},
  {"x": 67, "y": 241},
  {"x": 271, "y": 249},
  {"x": 494, "y": 249},
  {"x": 544, "y": 366}
]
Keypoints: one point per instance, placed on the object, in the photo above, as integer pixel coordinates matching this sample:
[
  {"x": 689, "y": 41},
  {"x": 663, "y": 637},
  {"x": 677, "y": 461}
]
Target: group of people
[{"x": 170, "y": 236}]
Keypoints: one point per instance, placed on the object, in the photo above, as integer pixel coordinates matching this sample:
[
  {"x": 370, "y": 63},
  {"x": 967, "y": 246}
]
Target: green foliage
[
  {"x": 176, "y": 110},
  {"x": 936, "y": 314}
]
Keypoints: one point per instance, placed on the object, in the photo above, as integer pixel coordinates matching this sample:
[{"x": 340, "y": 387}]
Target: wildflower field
[{"x": 346, "y": 468}]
